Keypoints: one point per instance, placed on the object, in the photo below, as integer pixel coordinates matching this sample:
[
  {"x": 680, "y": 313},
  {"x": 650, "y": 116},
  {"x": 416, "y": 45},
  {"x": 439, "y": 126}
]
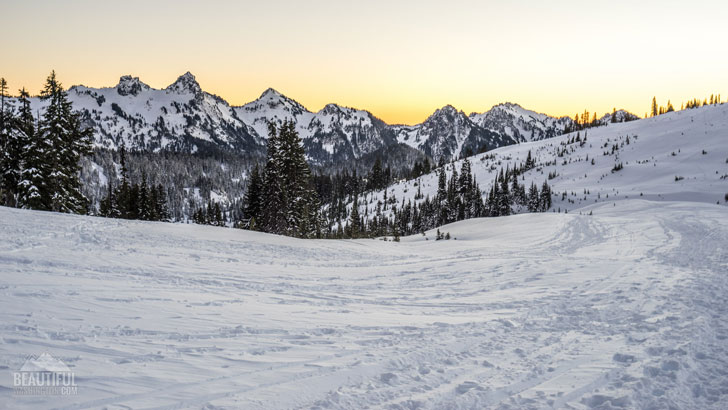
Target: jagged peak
[
  {"x": 273, "y": 98},
  {"x": 331, "y": 108},
  {"x": 514, "y": 109},
  {"x": 186, "y": 83},
  {"x": 447, "y": 110},
  {"x": 508, "y": 104},
  {"x": 129, "y": 85},
  {"x": 271, "y": 93}
]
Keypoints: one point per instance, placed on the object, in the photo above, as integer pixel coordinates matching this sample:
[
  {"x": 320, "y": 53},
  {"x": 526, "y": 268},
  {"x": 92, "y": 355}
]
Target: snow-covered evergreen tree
[
  {"x": 12, "y": 141},
  {"x": 33, "y": 185},
  {"x": 61, "y": 127},
  {"x": 273, "y": 217},
  {"x": 545, "y": 202},
  {"x": 534, "y": 200}
]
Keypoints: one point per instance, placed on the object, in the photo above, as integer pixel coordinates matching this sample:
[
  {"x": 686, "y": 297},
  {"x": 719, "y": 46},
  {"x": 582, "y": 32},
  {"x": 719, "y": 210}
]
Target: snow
[
  {"x": 529, "y": 125},
  {"x": 103, "y": 179},
  {"x": 445, "y": 132},
  {"x": 627, "y": 308},
  {"x": 692, "y": 144},
  {"x": 134, "y": 113}
]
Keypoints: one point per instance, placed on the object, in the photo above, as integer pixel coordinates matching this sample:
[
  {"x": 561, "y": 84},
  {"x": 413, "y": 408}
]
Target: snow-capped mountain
[
  {"x": 341, "y": 133},
  {"x": 333, "y": 134},
  {"x": 448, "y": 133},
  {"x": 520, "y": 124},
  {"x": 182, "y": 117},
  {"x": 275, "y": 107}
]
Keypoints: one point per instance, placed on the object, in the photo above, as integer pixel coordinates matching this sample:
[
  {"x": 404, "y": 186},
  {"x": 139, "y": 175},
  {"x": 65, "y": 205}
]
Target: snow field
[{"x": 623, "y": 309}]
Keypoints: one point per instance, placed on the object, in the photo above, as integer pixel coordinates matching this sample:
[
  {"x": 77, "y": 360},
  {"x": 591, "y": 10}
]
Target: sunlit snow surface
[{"x": 626, "y": 308}]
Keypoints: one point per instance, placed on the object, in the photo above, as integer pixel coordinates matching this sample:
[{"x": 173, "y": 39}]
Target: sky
[{"x": 401, "y": 60}]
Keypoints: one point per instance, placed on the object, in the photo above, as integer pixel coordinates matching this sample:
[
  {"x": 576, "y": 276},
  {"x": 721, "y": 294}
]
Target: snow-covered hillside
[
  {"x": 681, "y": 156},
  {"x": 627, "y": 308}
]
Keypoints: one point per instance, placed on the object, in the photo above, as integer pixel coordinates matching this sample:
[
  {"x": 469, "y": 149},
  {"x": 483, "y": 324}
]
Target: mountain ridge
[{"x": 183, "y": 117}]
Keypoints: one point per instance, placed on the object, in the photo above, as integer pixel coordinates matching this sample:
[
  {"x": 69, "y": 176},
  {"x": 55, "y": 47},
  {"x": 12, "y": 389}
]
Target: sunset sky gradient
[{"x": 400, "y": 60}]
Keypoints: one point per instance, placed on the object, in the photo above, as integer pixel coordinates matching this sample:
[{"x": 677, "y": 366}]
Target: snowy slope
[
  {"x": 624, "y": 309},
  {"x": 660, "y": 150}
]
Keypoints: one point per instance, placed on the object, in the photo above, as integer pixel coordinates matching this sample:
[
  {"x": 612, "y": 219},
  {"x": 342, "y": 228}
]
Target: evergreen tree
[
  {"x": 475, "y": 202},
  {"x": 441, "y": 199},
  {"x": 287, "y": 193},
  {"x": 161, "y": 210},
  {"x": 132, "y": 211},
  {"x": 61, "y": 126},
  {"x": 466, "y": 178},
  {"x": 253, "y": 198},
  {"x": 217, "y": 212},
  {"x": 545, "y": 202},
  {"x": 529, "y": 161},
  {"x": 296, "y": 174},
  {"x": 124, "y": 190},
  {"x": 669, "y": 108},
  {"x": 7, "y": 188},
  {"x": 354, "y": 223},
  {"x": 376, "y": 178},
  {"x": 504, "y": 198},
  {"x": 518, "y": 192},
  {"x": 534, "y": 200},
  {"x": 109, "y": 206},
  {"x": 33, "y": 186},
  {"x": 273, "y": 215},
  {"x": 12, "y": 141},
  {"x": 145, "y": 205},
  {"x": 654, "y": 107}
]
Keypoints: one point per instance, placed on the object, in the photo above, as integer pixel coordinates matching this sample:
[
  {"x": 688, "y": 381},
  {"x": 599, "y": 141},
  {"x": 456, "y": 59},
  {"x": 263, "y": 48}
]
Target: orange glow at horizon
[{"x": 399, "y": 61}]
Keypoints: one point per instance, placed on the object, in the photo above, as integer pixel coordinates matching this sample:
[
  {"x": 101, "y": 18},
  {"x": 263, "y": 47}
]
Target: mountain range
[{"x": 184, "y": 118}]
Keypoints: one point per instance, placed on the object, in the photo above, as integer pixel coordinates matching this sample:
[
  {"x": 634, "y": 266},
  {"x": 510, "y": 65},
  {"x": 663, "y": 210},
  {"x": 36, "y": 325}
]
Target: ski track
[{"x": 627, "y": 308}]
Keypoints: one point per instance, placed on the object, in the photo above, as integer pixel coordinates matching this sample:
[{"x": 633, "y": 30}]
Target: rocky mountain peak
[
  {"x": 186, "y": 83},
  {"x": 129, "y": 85}
]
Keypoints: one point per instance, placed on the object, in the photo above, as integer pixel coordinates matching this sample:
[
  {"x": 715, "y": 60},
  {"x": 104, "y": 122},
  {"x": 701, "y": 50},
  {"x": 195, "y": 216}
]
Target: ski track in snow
[{"x": 624, "y": 309}]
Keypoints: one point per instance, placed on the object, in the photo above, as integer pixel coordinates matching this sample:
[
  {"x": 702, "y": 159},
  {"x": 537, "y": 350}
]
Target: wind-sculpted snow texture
[{"x": 627, "y": 308}]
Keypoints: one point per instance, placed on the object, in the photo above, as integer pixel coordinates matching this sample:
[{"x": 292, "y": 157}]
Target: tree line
[
  {"x": 40, "y": 156},
  {"x": 132, "y": 200},
  {"x": 656, "y": 109},
  {"x": 458, "y": 198},
  {"x": 335, "y": 191}
]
